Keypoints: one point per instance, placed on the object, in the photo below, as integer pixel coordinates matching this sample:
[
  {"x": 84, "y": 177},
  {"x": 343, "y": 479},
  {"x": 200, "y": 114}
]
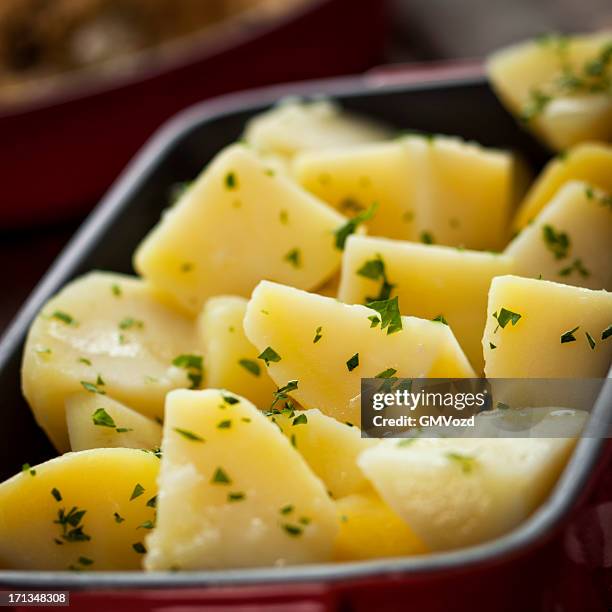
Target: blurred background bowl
[{"x": 65, "y": 137}]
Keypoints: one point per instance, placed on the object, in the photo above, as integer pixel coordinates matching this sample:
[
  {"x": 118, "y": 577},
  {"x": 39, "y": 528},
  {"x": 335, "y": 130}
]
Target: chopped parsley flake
[
  {"x": 152, "y": 503},
  {"x": 374, "y": 269},
  {"x": 406, "y": 442},
  {"x": 123, "y": 430},
  {"x": 293, "y": 530},
  {"x": 116, "y": 290},
  {"x": 194, "y": 366},
  {"x": 137, "y": 492},
  {"x": 427, "y": 238},
  {"x": 343, "y": 232},
  {"x": 231, "y": 181},
  {"x": 288, "y": 509},
  {"x": 92, "y": 387},
  {"x": 72, "y": 530},
  {"x": 440, "y": 319},
  {"x": 282, "y": 392},
  {"x": 606, "y": 333},
  {"x": 129, "y": 323},
  {"x": 102, "y": 418},
  {"x": 146, "y": 525},
  {"x": 84, "y": 360},
  {"x": 590, "y": 340},
  {"x": 269, "y": 355},
  {"x": 56, "y": 494},
  {"x": 301, "y": 419},
  {"x": 575, "y": 266},
  {"x": 139, "y": 548},
  {"x": 492, "y": 346},
  {"x": 64, "y": 317},
  {"x": 568, "y": 336},
  {"x": 284, "y": 217},
  {"x": 294, "y": 257},
  {"x": 388, "y": 373},
  {"x": 318, "y": 335},
  {"x": 226, "y": 424},
  {"x": 220, "y": 477},
  {"x": 237, "y": 496},
  {"x": 189, "y": 435},
  {"x": 353, "y": 362},
  {"x": 466, "y": 462},
  {"x": 118, "y": 518},
  {"x": 27, "y": 468},
  {"x": 558, "y": 243},
  {"x": 390, "y": 318},
  {"x": 506, "y": 316}
]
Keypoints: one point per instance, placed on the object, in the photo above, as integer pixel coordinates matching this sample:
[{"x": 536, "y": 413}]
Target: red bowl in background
[{"x": 59, "y": 153}]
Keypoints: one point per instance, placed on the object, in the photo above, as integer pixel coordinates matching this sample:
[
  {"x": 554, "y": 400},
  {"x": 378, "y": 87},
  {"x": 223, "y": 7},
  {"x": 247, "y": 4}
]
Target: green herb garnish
[
  {"x": 318, "y": 335},
  {"x": 294, "y": 257},
  {"x": 220, "y": 477},
  {"x": 64, "y": 317},
  {"x": 440, "y": 319},
  {"x": 568, "y": 336},
  {"x": 269, "y": 355},
  {"x": 390, "y": 317},
  {"x": 590, "y": 340},
  {"x": 301, "y": 419},
  {"x": 194, "y": 366},
  {"x": 388, "y": 373},
  {"x": 137, "y": 492},
  {"x": 353, "y": 362},
  {"x": 466, "y": 462},
  {"x": 189, "y": 435},
  {"x": 102, "y": 418},
  {"x": 343, "y": 232}
]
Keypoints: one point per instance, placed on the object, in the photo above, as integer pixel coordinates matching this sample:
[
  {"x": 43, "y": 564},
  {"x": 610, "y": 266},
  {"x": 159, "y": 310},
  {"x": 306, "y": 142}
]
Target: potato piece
[
  {"x": 437, "y": 189},
  {"x": 550, "y": 84},
  {"x": 286, "y": 321},
  {"x": 231, "y": 360},
  {"x": 353, "y": 179},
  {"x": 430, "y": 281},
  {"x": 369, "y": 529},
  {"x": 96, "y": 421},
  {"x": 570, "y": 241},
  {"x": 112, "y": 487},
  {"x": 293, "y": 126},
  {"x": 588, "y": 162},
  {"x": 237, "y": 224},
  {"x": 233, "y": 491},
  {"x": 329, "y": 447},
  {"x": 466, "y": 193},
  {"x": 549, "y": 338},
  {"x": 110, "y": 334},
  {"x": 461, "y": 492}
]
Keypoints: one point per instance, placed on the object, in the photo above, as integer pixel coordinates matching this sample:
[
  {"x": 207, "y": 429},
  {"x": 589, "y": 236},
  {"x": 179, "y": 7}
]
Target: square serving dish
[{"x": 520, "y": 571}]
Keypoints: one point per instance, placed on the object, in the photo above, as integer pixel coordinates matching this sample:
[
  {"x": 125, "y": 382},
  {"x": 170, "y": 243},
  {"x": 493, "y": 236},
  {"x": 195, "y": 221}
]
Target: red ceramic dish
[
  {"x": 59, "y": 153},
  {"x": 557, "y": 560}
]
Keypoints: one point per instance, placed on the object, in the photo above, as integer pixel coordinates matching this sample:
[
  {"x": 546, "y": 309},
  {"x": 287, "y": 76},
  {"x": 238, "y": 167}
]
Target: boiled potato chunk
[
  {"x": 430, "y": 281},
  {"x": 236, "y": 225},
  {"x": 461, "y": 492},
  {"x": 558, "y": 86},
  {"x": 589, "y": 162},
  {"x": 231, "y": 360},
  {"x": 96, "y": 421},
  {"x": 107, "y": 334},
  {"x": 369, "y": 529},
  {"x": 438, "y": 189},
  {"x": 356, "y": 178},
  {"x": 543, "y": 329},
  {"x": 82, "y": 511},
  {"x": 570, "y": 241},
  {"x": 329, "y": 447},
  {"x": 293, "y": 126},
  {"x": 233, "y": 491},
  {"x": 284, "y": 323}
]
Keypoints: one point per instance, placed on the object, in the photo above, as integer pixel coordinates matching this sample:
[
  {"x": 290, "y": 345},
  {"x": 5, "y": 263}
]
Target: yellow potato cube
[
  {"x": 541, "y": 329},
  {"x": 438, "y": 189},
  {"x": 570, "y": 241},
  {"x": 293, "y": 126},
  {"x": 329, "y": 447},
  {"x": 284, "y": 323},
  {"x": 369, "y": 529},
  {"x": 461, "y": 492},
  {"x": 430, "y": 281},
  {"x": 82, "y": 511},
  {"x": 107, "y": 334},
  {"x": 233, "y": 491},
  {"x": 557, "y": 85},
  {"x": 588, "y": 162},
  {"x": 231, "y": 360},
  {"x": 96, "y": 421},
  {"x": 236, "y": 225}
]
